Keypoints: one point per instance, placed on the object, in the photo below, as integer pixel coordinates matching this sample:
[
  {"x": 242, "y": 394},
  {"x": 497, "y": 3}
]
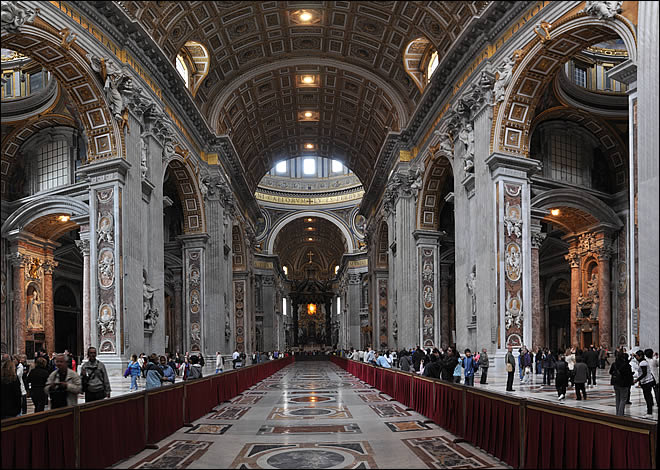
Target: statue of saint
[
  {"x": 149, "y": 312},
  {"x": 35, "y": 319}
]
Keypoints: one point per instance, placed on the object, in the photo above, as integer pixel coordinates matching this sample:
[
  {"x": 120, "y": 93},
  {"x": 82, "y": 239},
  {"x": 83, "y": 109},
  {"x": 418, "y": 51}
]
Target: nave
[{"x": 312, "y": 415}]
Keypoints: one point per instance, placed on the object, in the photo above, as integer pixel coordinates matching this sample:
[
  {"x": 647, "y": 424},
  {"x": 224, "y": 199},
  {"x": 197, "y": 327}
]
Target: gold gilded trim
[{"x": 309, "y": 201}]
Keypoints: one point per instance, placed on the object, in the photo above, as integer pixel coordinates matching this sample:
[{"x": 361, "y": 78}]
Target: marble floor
[
  {"x": 312, "y": 415},
  {"x": 599, "y": 398}
]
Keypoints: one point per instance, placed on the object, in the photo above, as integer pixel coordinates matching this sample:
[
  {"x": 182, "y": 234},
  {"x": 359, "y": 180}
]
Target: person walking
[
  {"x": 219, "y": 363},
  {"x": 37, "y": 381},
  {"x": 195, "y": 370},
  {"x": 548, "y": 367},
  {"x": 21, "y": 373},
  {"x": 153, "y": 372},
  {"x": 458, "y": 368},
  {"x": 94, "y": 377},
  {"x": 404, "y": 361},
  {"x": 168, "y": 373},
  {"x": 483, "y": 365},
  {"x": 63, "y": 384},
  {"x": 134, "y": 370},
  {"x": 652, "y": 359},
  {"x": 591, "y": 358},
  {"x": 10, "y": 390},
  {"x": 646, "y": 380},
  {"x": 235, "y": 357},
  {"x": 510, "y": 364},
  {"x": 622, "y": 380},
  {"x": 561, "y": 379},
  {"x": 581, "y": 377},
  {"x": 526, "y": 363},
  {"x": 470, "y": 367},
  {"x": 449, "y": 362},
  {"x": 570, "y": 360},
  {"x": 143, "y": 363}
]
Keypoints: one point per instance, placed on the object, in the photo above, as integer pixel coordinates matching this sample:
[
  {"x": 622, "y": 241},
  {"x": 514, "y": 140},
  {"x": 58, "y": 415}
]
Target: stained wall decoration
[
  {"x": 511, "y": 228},
  {"x": 428, "y": 296},
  {"x": 193, "y": 269},
  {"x": 239, "y": 312},
  {"x": 106, "y": 316}
]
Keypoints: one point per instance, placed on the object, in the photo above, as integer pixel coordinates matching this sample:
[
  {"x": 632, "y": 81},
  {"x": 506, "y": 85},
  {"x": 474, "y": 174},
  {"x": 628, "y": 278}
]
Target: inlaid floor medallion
[
  {"x": 352, "y": 428},
  {"x": 310, "y": 412},
  {"x": 440, "y": 452},
  {"x": 389, "y": 410},
  {"x": 208, "y": 429},
  {"x": 402, "y": 426},
  {"x": 313, "y": 455},
  {"x": 229, "y": 412},
  {"x": 175, "y": 454}
]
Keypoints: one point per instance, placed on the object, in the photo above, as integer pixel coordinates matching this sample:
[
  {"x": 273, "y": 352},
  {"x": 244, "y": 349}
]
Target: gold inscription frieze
[{"x": 309, "y": 201}]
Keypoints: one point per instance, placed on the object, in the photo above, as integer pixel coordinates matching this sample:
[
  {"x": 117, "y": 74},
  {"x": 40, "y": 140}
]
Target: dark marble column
[
  {"x": 605, "y": 307},
  {"x": 538, "y": 315},
  {"x": 49, "y": 304},
  {"x": 574, "y": 258},
  {"x": 18, "y": 295}
]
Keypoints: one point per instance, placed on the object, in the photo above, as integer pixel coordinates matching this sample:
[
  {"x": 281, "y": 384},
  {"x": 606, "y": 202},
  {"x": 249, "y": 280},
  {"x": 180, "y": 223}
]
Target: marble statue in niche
[
  {"x": 143, "y": 158},
  {"x": 504, "y": 75},
  {"x": 149, "y": 312},
  {"x": 467, "y": 137},
  {"x": 471, "y": 284},
  {"x": 34, "y": 312}
]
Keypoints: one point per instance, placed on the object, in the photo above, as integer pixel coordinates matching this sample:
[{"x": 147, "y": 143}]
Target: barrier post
[
  {"x": 76, "y": 435},
  {"x": 523, "y": 432}
]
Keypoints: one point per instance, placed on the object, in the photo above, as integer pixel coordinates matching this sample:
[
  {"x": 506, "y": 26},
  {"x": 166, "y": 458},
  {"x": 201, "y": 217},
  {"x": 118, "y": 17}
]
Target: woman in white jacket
[{"x": 570, "y": 360}]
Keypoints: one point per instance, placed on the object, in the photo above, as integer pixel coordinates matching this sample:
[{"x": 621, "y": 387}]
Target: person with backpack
[
  {"x": 622, "y": 380},
  {"x": 470, "y": 367},
  {"x": 153, "y": 372},
  {"x": 195, "y": 369},
  {"x": 94, "y": 377}
]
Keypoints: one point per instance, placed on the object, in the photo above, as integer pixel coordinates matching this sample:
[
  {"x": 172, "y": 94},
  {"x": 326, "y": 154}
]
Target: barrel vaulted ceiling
[{"x": 259, "y": 51}]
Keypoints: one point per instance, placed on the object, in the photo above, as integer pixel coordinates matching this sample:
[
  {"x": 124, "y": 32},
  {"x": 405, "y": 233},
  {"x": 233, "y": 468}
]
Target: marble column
[
  {"x": 574, "y": 259},
  {"x": 178, "y": 310},
  {"x": 294, "y": 312},
  {"x": 83, "y": 246},
  {"x": 538, "y": 315},
  {"x": 445, "y": 325},
  {"x": 268, "y": 330},
  {"x": 605, "y": 306},
  {"x": 49, "y": 304},
  {"x": 18, "y": 262}
]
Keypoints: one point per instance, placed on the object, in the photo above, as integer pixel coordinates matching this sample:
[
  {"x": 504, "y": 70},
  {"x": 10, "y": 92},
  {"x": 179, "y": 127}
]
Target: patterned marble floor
[
  {"x": 312, "y": 415},
  {"x": 599, "y": 398}
]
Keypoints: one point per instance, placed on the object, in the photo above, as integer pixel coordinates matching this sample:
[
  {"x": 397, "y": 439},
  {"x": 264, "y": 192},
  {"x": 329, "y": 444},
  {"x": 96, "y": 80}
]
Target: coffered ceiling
[
  {"x": 295, "y": 241},
  {"x": 259, "y": 51}
]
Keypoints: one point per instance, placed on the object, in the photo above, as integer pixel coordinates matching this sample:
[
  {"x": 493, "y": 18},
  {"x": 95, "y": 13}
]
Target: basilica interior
[{"x": 311, "y": 177}]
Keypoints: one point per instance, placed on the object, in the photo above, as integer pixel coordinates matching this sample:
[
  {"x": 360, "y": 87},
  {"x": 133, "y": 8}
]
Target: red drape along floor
[
  {"x": 550, "y": 438},
  {"x": 99, "y": 434}
]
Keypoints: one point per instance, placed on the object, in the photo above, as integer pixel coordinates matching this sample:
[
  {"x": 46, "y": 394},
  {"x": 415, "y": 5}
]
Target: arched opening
[
  {"x": 558, "y": 310},
  {"x": 68, "y": 321},
  {"x": 420, "y": 59},
  {"x": 193, "y": 64}
]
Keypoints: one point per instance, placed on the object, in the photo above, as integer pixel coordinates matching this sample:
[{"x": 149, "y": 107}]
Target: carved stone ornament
[
  {"x": 573, "y": 258},
  {"x": 105, "y": 228},
  {"x": 117, "y": 82},
  {"x": 471, "y": 284},
  {"x": 513, "y": 220},
  {"x": 466, "y": 136},
  {"x": 504, "y": 75},
  {"x": 106, "y": 319},
  {"x": 14, "y": 16},
  {"x": 537, "y": 239},
  {"x": 227, "y": 330},
  {"x": 445, "y": 146},
  {"x": 149, "y": 312},
  {"x": 603, "y": 10},
  {"x": 83, "y": 246},
  {"x": 513, "y": 261},
  {"x": 106, "y": 269},
  {"x": 144, "y": 158},
  {"x": 513, "y": 313}
]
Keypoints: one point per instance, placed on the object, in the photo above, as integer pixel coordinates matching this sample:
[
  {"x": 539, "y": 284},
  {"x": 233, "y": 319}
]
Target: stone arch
[
  {"x": 415, "y": 56},
  {"x": 12, "y": 143},
  {"x": 333, "y": 219},
  {"x": 42, "y": 211},
  {"x": 430, "y": 200},
  {"x": 198, "y": 59},
  {"x": 580, "y": 200},
  {"x": 68, "y": 63},
  {"x": 189, "y": 194},
  {"x": 553, "y": 46},
  {"x": 614, "y": 148}
]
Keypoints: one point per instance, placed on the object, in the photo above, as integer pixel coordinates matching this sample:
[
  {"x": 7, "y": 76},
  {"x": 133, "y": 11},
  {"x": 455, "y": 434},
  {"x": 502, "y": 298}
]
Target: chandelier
[{"x": 311, "y": 309}]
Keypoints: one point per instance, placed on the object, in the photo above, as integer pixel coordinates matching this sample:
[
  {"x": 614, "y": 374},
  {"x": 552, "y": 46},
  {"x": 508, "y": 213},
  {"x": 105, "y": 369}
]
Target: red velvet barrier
[
  {"x": 111, "y": 431},
  {"x": 448, "y": 409},
  {"x": 388, "y": 380},
  {"x": 558, "y": 441},
  {"x": 164, "y": 414},
  {"x": 422, "y": 396},
  {"x": 403, "y": 392},
  {"x": 42, "y": 442},
  {"x": 487, "y": 419},
  {"x": 200, "y": 399}
]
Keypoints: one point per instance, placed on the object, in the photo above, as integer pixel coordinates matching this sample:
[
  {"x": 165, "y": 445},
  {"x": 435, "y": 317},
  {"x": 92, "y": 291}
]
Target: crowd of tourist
[
  {"x": 574, "y": 368},
  {"x": 57, "y": 380}
]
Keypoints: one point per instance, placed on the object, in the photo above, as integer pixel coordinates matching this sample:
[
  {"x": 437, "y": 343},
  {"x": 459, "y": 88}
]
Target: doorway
[{"x": 68, "y": 322}]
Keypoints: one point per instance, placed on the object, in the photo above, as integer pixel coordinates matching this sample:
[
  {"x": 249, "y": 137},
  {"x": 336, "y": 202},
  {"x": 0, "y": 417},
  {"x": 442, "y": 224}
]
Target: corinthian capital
[
  {"x": 83, "y": 246},
  {"x": 537, "y": 239},
  {"x": 573, "y": 258}
]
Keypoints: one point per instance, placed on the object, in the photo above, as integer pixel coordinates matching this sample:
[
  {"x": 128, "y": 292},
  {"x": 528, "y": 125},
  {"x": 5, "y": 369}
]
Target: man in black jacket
[
  {"x": 434, "y": 369},
  {"x": 417, "y": 357},
  {"x": 448, "y": 365},
  {"x": 591, "y": 358}
]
